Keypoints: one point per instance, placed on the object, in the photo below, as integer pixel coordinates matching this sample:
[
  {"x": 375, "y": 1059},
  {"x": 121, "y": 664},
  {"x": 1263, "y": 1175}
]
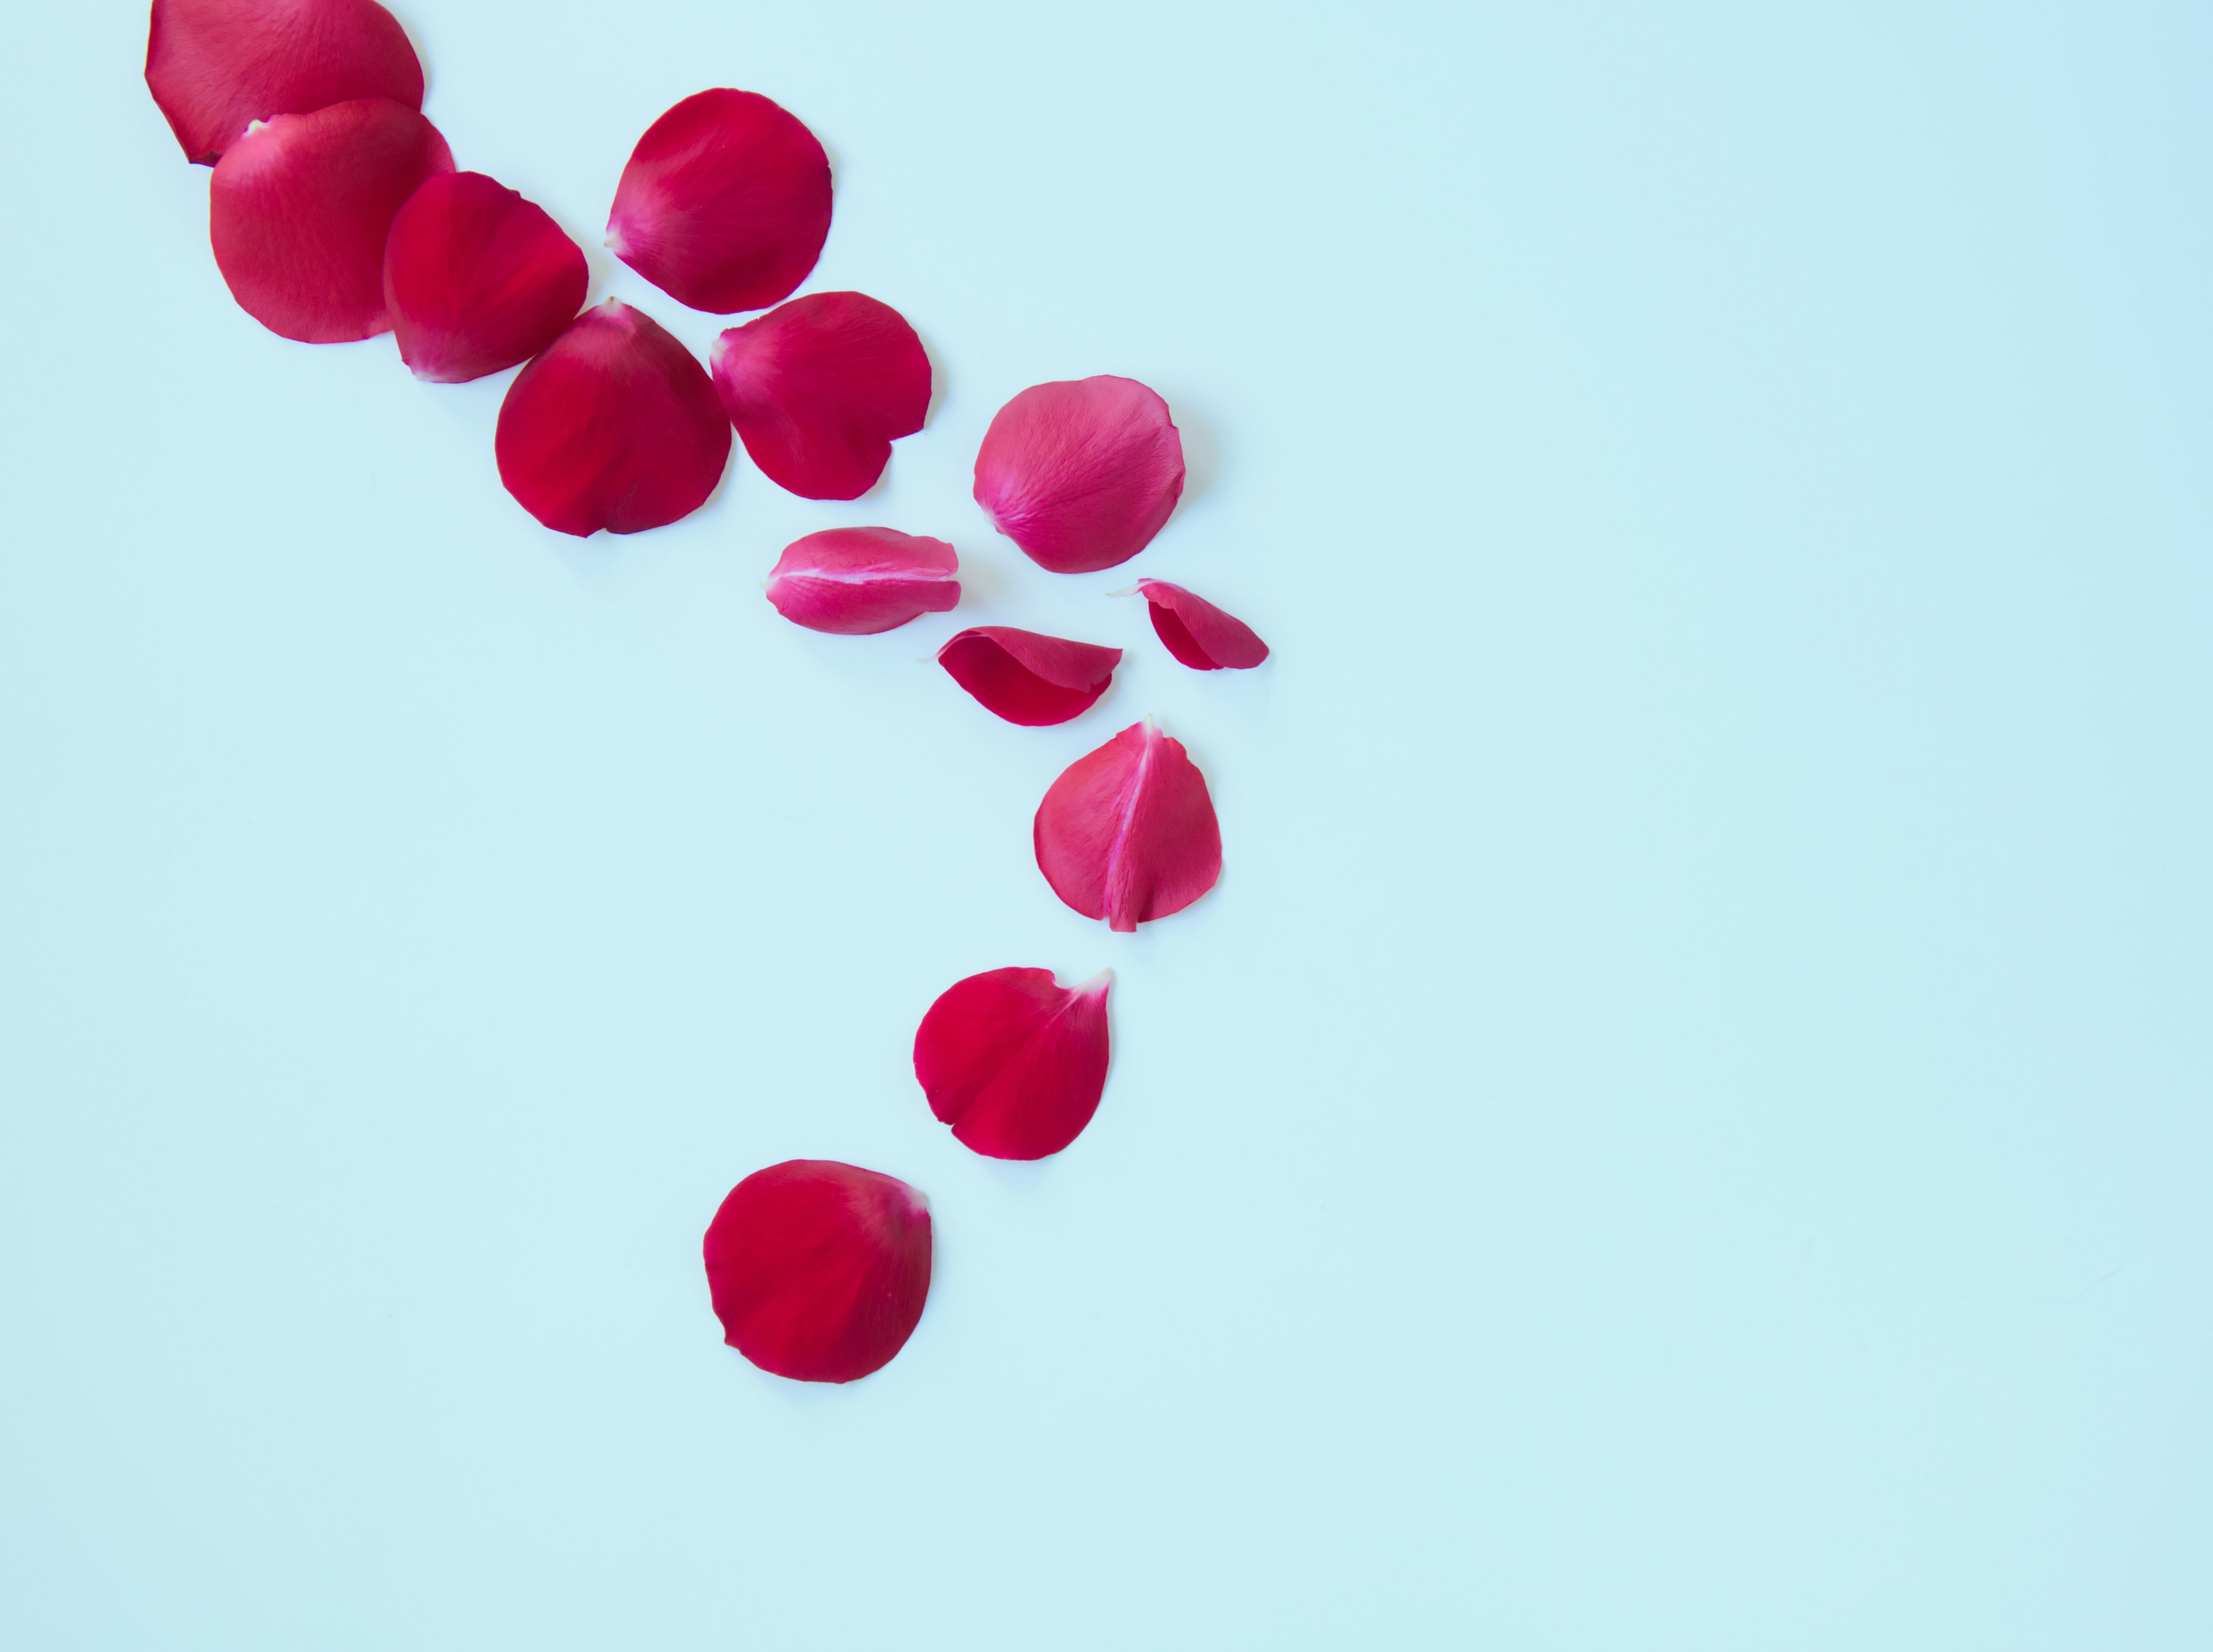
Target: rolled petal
[
  {"x": 1014, "y": 1061},
  {"x": 821, "y": 387},
  {"x": 614, "y": 426},
  {"x": 477, "y": 279},
  {"x": 216, "y": 65},
  {"x": 1028, "y": 678},
  {"x": 725, "y": 204},
  {"x": 1080, "y": 474},
  {"x": 299, "y": 210},
  {"x": 817, "y": 1270},
  {"x": 855, "y": 581},
  {"x": 1198, "y": 633},
  {"x": 1128, "y": 834}
]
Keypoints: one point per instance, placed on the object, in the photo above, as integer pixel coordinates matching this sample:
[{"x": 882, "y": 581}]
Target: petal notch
[
  {"x": 1026, "y": 677},
  {"x": 1128, "y": 834},
  {"x": 477, "y": 279},
  {"x": 1080, "y": 474},
  {"x": 1014, "y": 1061},
  {"x": 1197, "y": 633},
  {"x": 855, "y": 581}
]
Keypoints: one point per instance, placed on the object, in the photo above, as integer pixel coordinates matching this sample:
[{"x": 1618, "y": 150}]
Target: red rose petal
[
  {"x": 725, "y": 204},
  {"x": 614, "y": 426},
  {"x": 855, "y": 581},
  {"x": 1198, "y": 633},
  {"x": 1081, "y": 474},
  {"x": 216, "y": 65},
  {"x": 1014, "y": 1061},
  {"x": 299, "y": 211},
  {"x": 1028, "y": 678},
  {"x": 817, "y": 1270},
  {"x": 1128, "y": 834},
  {"x": 821, "y": 387},
  {"x": 477, "y": 279}
]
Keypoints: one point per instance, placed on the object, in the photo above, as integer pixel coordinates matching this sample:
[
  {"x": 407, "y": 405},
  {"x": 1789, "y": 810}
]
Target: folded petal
[
  {"x": 614, "y": 424},
  {"x": 817, "y": 1269},
  {"x": 821, "y": 387},
  {"x": 1080, "y": 474},
  {"x": 855, "y": 581},
  {"x": 1028, "y": 678},
  {"x": 299, "y": 210},
  {"x": 1198, "y": 633},
  {"x": 725, "y": 204},
  {"x": 477, "y": 279},
  {"x": 1128, "y": 834},
  {"x": 216, "y": 65},
  {"x": 1014, "y": 1061}
]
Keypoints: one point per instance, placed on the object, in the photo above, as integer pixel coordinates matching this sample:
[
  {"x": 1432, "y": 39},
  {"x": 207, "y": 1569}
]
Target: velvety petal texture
[
  {"x": 614, "y": 425},
  {"x": 725, "y": 204},
  {"x": 1198, "y": 633},
  {"x": 855, "y": 581},
  {"x": 1028, "y": 678},
  {"x": 1080, "y": 474},
  {"x": 818, "y": 1269},
  {"x": 216, "y": 65},
  {"x": 299, "y": 210},
  {"x": 1014, "y": 1061},
  {"x": 821, "y": 387},
  {"x": 1128, "y": 834},
  {"x": 477, "y": 279}
]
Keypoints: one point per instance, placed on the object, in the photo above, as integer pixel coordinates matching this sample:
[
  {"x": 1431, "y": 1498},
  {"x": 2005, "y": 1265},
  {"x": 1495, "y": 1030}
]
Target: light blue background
[{"x": 1684, "y": 1124}]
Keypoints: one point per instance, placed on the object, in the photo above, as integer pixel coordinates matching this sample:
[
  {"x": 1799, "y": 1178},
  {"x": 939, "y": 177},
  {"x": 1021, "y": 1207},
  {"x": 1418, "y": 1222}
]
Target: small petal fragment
[
  {"x": 1028, "y": 678},
  {"x": 817, "y": 1270},
  {"x": 299, "y": 211},
  {"x": 821, "y": 387},
  {"x": 1014, "y": 1061},
  {"x": 477, "y": 279},
  {"x": 855, "y": 581},
  {"x": 1198, "y": 633},
  {"x": 1128, "y": 834},
  {"x": 214, "y": 66},
  {"x": 614, "y": 426},
  {"x": 725, "y": 204},
  {"x": 1080, "y": 474}
]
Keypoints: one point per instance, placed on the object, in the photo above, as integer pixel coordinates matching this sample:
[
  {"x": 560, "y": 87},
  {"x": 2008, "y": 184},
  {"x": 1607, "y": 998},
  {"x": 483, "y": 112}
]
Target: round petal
[
  {"x": 1128, "y": 834},
  {"x": 1080, "y": 474},
  {"x": 1014, "y": 1061},
  {"x": 1028, "y": 678},
  {"x": 1197, "y": 633},
  {"x": 855, "y": 581},
  {"x": 477, "y": 279}
]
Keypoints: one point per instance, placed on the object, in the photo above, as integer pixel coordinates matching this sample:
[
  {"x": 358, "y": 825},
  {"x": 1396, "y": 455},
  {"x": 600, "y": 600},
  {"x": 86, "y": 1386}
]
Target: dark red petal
[
  {"x": 725, "y": 204},
  {"x": 1198, "y": 633},
  {"x": 855, "y": 581},
  {"x": 817, "y": 1270},
  {"x": 299, "y": 211},
  {"x": 1028, "y": 678},
  {"x": 821, "y": 387},
  {"x": 1014, "y": 1061},
  {"x": 477, "y": 279},
  {"x": 1128, "y": 834},
  {"x": 614, "y": 425},
  {"x": 215, "y": 66},
  {"x": 1081, "y": 474}
]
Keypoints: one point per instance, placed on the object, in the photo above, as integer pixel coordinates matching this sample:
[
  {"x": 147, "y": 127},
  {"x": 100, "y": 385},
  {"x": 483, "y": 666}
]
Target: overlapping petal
[
  {"x": 1014, "y": 1061},
  {"x": 1128, "y": 834},
  {"x": 1196, "y": 632},
  {"x": 1080, "y": 474},
  {"x": 855, "y": 581},
  {"x": 1026, "y": 677},
  {"x": 477, "y": 279}
]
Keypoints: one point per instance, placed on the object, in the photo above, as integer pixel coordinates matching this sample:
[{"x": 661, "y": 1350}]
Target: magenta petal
[
  {"x": 477, "y": 279},
  {"x": 1128, "y": 834},
  {"x": 1014, "y": 1062},
  {"x": 1028, "y": 678},
  {"x": 216, "y": 65},
  {"x": 1081, "y": 474},
  {"x": 1198, "y": 633},
  {"x": 725, "y": 204},
  {"x": 855, "y": 581},
  {"x": 614, "y": 425},
  {"x": 821, "y": 387}
]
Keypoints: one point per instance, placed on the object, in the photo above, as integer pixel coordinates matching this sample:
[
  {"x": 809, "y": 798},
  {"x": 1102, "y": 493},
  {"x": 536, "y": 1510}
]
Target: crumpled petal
[
  {"x": 821, "y": 387},
  {"x": 216, "y": 65},
  {"x": 855, "y": 581},
  {"x": 299, "y": 210},
  {"x": 614, "y": 424},
  {"x": 1080, "y": 474},
  {"x": 817, "y": 1270},
  {"x": 1128, "y": 834},
  {"x": 1199, "y": 634},
  {"x": 1014, "y": 1061},
  {"x": 1028, "y": 678},
  {"x": 477, "y": 279},
  {"x": 725, "y": 204}
]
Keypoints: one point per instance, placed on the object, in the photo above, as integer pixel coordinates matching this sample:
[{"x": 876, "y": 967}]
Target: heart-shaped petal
[
  {"x": 1128, "y": 834},
  {"x": 477, "y": 279},
  {"x": 1026, "y": 677},
  {"x": 1014, "y": 1061},
  {"x": 855, "y": 581},
  {"x": 1197, "y": 633},
  {"x": 1080, "y": 474}
]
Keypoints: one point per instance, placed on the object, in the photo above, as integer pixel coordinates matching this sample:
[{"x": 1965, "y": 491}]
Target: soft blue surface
[{"x": 1684, "y": 1125}]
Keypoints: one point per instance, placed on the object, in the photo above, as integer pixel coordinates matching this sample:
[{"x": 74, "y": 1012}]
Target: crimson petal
[
  {"x": 477, "y": 279},
  {"x": 1197, "y": 633},
  {"x": 1028, "y": 678},
  {"x": 1128, "y": 834},
  {"x": 817, "y": 1269},
  {"x": 1080, "y": 474},
  {"x": 725, "y": 204},
  {"x": 1014, "y": 1061},
  {"x": 855, "y": 581}
]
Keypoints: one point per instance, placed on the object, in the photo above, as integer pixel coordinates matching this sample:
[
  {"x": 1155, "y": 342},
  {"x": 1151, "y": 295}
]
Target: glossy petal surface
[
  {"x": 821, "y": 387},
  {"x": 477, "y": 279},
  {"x": 1028, "y": 678},
  {"x": 1128, "y": 834},
  {"x": 1014, "y": 1062},
  {"x": 1197, "y": 633},
  {"x": 614, "y": 426},
  {"x": 725, "y": 204},
  {"x": 817, "y": 1270},
  {"x": 1080, "y": 474},
  {"x": 855, "y": 581}
]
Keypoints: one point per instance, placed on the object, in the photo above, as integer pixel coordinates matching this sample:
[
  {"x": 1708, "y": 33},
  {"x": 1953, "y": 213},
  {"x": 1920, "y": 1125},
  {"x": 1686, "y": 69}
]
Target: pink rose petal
[
  {"x": 1081, "y": 474},
  {"x": 477, "y": 279},
  {"x": 1028, "y": 678},
  {"x": 855, "y": 581},
  {"x": 1014, "y": 1061},
  {"x": 1198, "y": 633},
  {"x": 1128, "y": 834}
]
